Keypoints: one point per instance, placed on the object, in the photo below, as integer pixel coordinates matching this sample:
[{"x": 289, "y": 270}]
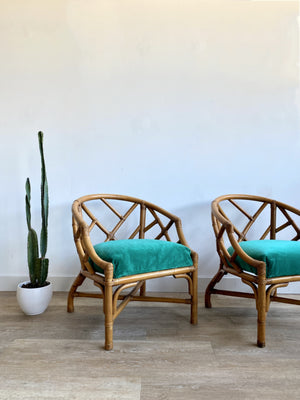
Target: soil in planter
[{"x": 31, "y": 286}]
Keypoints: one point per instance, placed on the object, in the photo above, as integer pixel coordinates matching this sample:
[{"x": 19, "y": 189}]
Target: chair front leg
[
  {"x": 108, "y": 311},
  {"x": 194, "y": 305},
  {"x": 261, "y": 314},
  {"x": 194, "y": 290},
  {"x": 219, "y": 275},
  {"x": 77, "y": 282}
]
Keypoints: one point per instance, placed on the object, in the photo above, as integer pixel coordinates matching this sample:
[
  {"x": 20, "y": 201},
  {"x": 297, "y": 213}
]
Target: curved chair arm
[
  {"x": 217, "y": 214},
  {"x": 241, "y": 253},
  {"x": 228, "y": 226},
  {"x": 180, "y": 233},
  {"x": 90, "y": 251},
  {"x": 85, "y": 240}
]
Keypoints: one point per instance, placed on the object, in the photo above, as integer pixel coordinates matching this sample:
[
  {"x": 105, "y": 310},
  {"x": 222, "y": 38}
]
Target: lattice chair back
[{"x": 134, "y": 218}]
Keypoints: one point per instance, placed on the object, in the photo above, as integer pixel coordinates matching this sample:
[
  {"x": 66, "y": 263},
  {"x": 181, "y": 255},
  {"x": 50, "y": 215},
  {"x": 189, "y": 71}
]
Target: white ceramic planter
[{"x": 34, "y": 301}]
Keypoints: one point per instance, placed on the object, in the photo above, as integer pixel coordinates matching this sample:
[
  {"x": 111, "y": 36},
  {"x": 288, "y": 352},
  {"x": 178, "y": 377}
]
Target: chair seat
[
  {"x": 137, "y": 256},
  {"x": 282, "y": 257}
]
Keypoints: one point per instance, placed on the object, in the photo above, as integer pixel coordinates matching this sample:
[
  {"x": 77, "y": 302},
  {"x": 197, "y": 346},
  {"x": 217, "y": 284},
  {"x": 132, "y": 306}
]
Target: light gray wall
[{"x": 173, "y": 101}]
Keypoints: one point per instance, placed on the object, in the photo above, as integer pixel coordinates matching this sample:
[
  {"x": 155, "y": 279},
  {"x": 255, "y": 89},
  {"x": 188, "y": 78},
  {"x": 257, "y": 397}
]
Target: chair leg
[
  {"x": 261, "y": 315},
  {"x": 108, "y": 311},
  {"x": 219, "y": 275},
  {"x": 143, "y": 289},
  {"x": 77, "y": 282},
  {"x": 194, "y": 305}
]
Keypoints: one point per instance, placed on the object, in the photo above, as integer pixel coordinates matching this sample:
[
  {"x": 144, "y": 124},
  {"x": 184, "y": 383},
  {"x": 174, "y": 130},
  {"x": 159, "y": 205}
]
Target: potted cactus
[{"x": 34, "y": 296}]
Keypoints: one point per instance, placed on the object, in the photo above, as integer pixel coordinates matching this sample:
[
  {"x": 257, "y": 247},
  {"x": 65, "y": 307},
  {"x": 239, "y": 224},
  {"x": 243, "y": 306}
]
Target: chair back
[
  {"x": 238, "y": 217},
  {"x": 104, "y": 217}
]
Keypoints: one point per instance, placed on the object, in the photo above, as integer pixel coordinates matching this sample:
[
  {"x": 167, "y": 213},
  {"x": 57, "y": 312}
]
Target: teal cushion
[
  {"x": 282, "y": 257},
  {"x": 137, "y": 256}
]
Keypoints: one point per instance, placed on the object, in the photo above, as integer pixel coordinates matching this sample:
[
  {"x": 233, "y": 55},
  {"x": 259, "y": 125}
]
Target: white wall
[{"x": 173, "y": 101}]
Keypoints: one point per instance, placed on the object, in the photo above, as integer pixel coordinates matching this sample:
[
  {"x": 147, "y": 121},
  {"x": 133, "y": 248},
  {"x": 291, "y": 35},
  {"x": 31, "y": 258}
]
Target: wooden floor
[{"x": 157, "y": 353}]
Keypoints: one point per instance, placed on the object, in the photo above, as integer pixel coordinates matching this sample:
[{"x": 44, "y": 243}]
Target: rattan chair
[
  {"x": 242, "y": 225},
  {"x": 122, "y": 242}
]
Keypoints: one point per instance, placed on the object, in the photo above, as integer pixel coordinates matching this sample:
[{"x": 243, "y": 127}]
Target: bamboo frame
[
  {"x": 111, "y": 288},
  {"x": 264, "y": 289}
]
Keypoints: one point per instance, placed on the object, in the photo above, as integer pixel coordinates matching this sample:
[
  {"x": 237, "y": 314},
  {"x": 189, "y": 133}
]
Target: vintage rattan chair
[
  {"x": 265, "y": 265},
  {"x": 132, "y": 242}
]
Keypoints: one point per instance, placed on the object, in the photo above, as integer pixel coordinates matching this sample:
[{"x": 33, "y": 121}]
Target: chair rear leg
[
  {"x": 219, "y": 275},
  {"x": 77, "y": 282},
  {"x": 143, "y": 289}
]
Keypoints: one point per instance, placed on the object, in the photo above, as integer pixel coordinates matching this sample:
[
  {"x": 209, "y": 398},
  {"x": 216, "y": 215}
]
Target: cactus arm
[
  {"x": 32, "y": 254},
  {"x": 43, "y": 270},
  {"x": 44, "y": 234},
  {"x": 27, "y": 203},
  {"x": 32, "y": 240},
  {"x": 44, "y": 200},
  {"x": 37, "y": 267}
]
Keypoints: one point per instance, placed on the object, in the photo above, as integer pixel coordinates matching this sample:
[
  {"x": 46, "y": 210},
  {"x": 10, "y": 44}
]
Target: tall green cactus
[{"x": 38, "y": 266}]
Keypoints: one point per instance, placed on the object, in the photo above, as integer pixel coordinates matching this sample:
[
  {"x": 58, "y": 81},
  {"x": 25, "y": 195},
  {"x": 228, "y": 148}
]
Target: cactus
[{"x": 38, "y": 266}]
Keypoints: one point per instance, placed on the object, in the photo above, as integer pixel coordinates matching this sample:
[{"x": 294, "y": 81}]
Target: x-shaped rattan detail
[
  {"x": 253, "y": 218},
  {"x": 110, "y": 235}
]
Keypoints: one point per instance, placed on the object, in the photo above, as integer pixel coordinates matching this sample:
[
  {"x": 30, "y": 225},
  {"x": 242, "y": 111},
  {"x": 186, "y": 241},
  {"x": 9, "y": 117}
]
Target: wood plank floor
[{"x": 157, "y": 353}]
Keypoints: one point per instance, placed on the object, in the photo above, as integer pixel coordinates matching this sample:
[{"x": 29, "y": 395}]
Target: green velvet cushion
[
  {"x": 137, "y": 256},
  {"x": 282, "y": 257}
]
